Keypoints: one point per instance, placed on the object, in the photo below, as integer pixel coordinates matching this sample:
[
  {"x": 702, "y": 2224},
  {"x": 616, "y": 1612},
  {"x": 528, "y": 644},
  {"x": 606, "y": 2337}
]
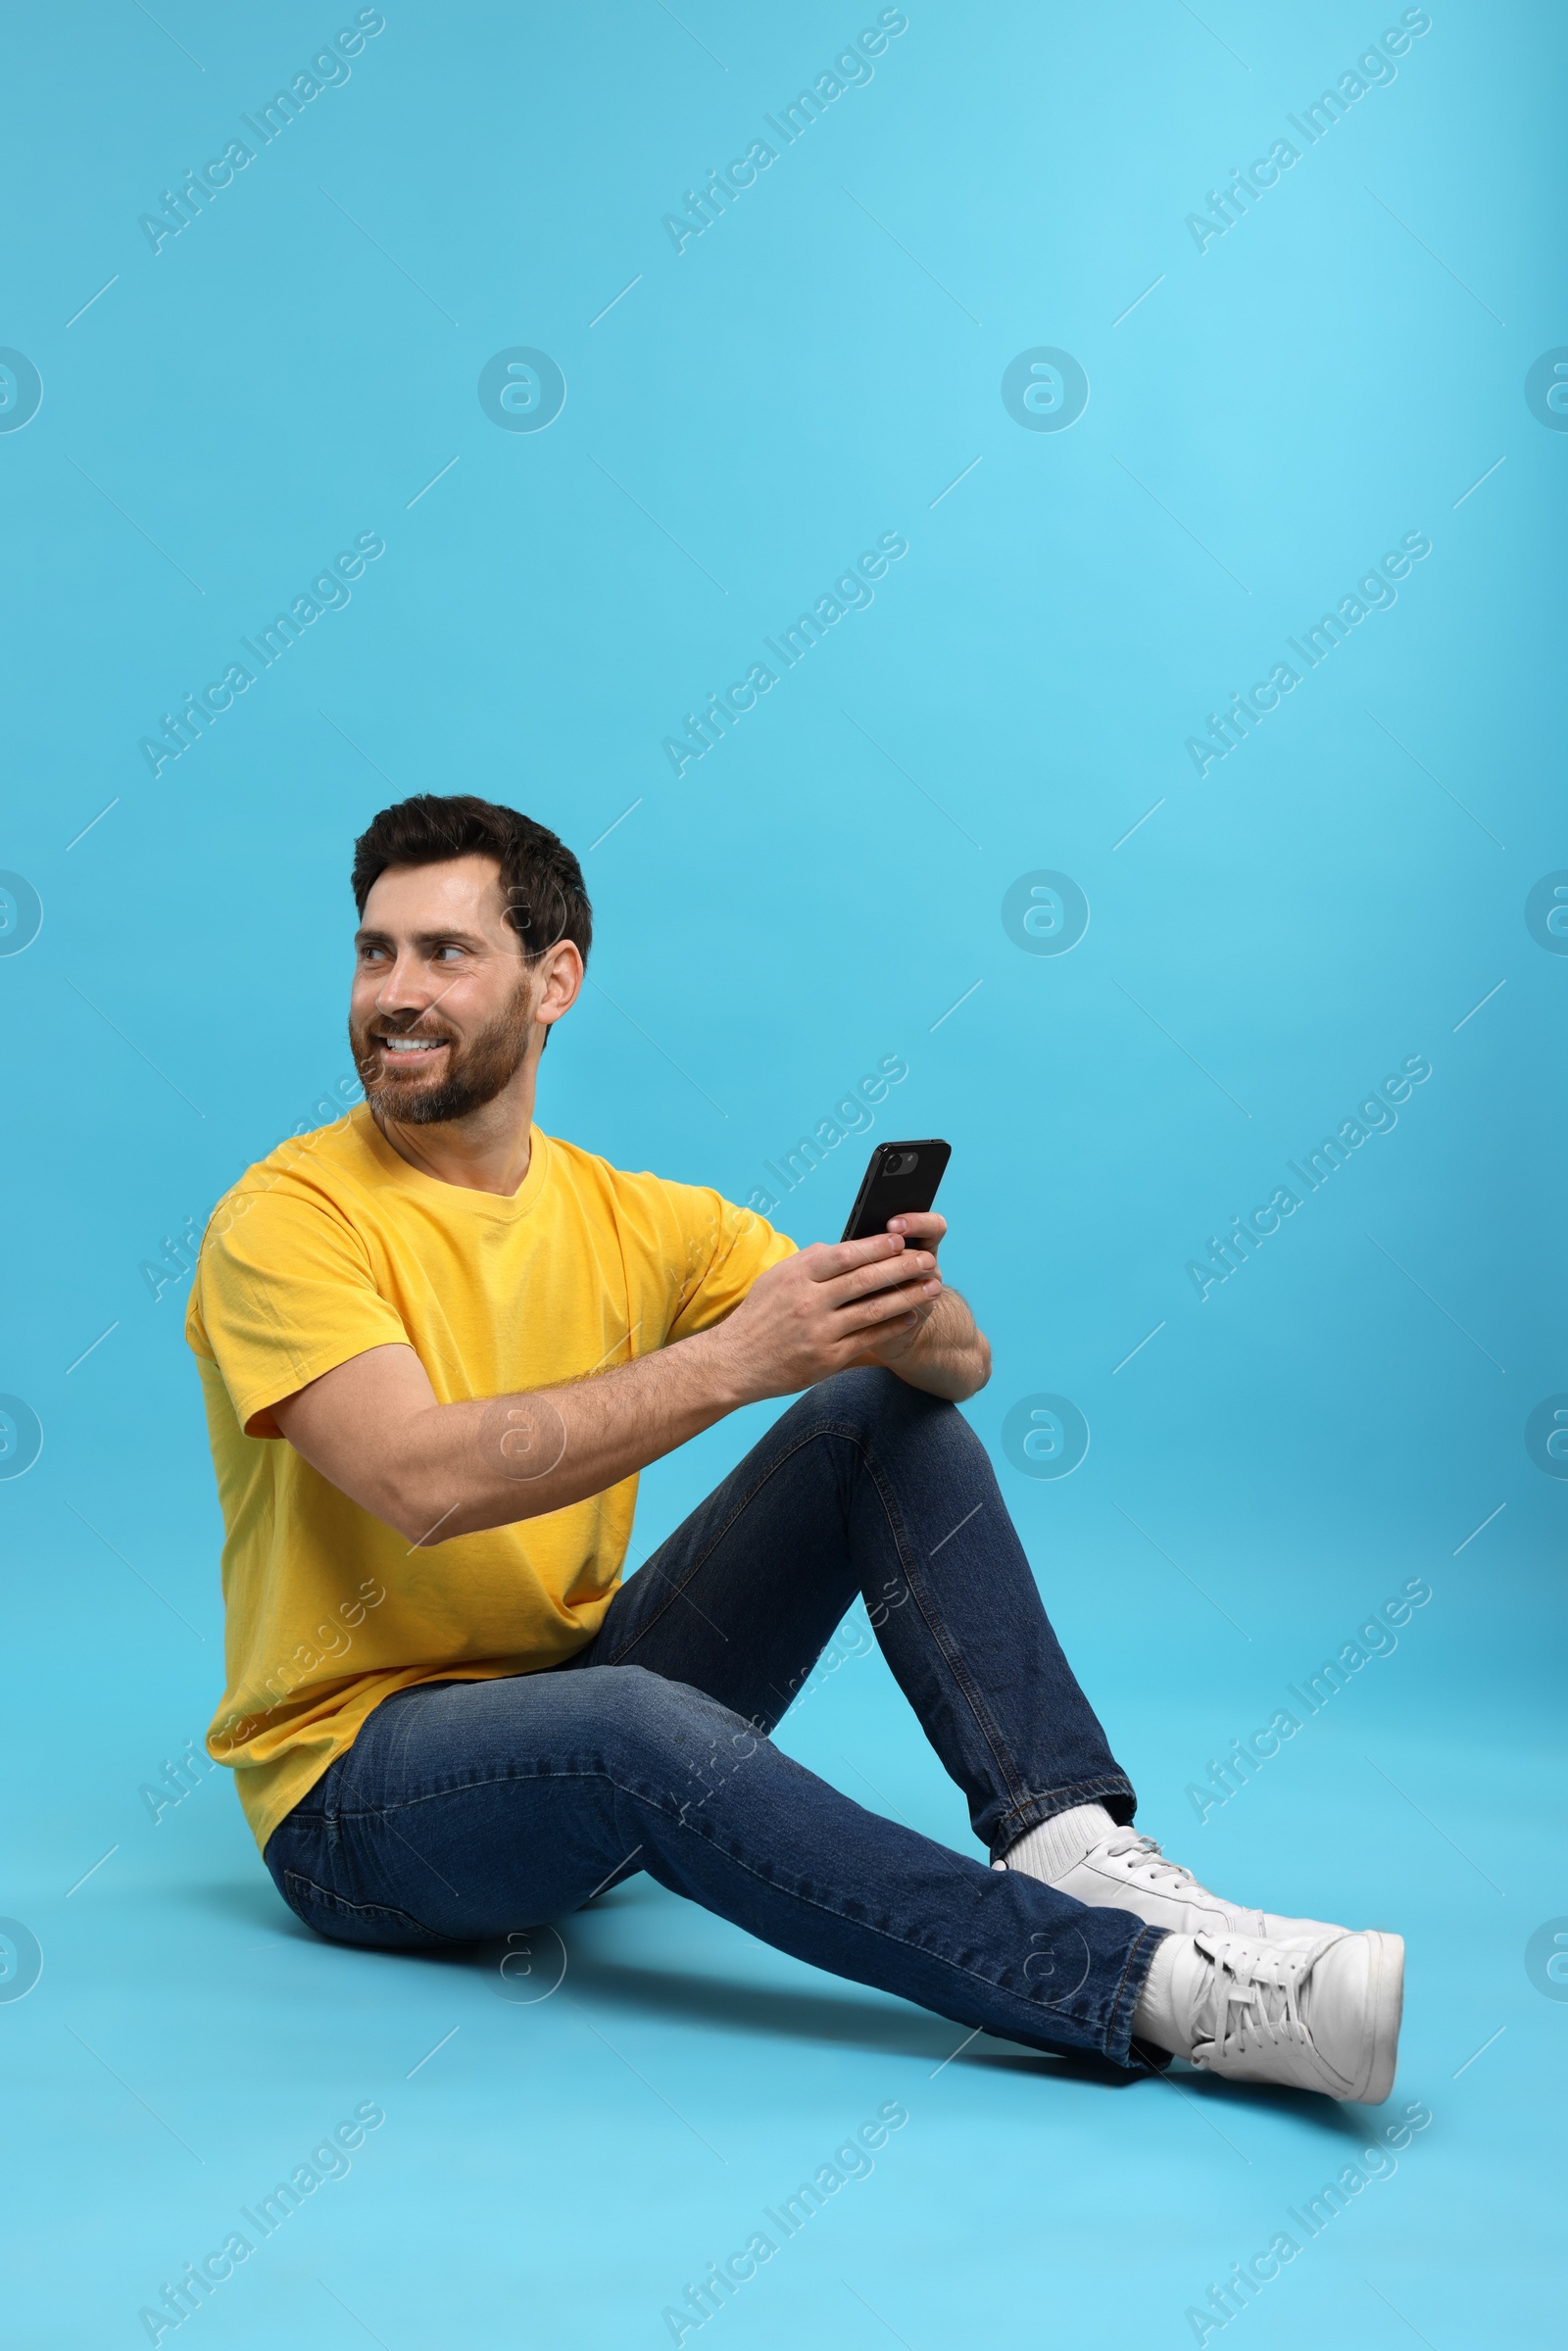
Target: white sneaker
[
  {"x": 1321, "y": 2016},
  {"x": 1125, "y": 1871}
]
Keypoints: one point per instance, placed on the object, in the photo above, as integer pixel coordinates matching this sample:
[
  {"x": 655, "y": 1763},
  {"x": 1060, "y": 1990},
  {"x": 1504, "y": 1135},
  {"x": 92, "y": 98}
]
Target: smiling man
[{"x": 437, "y": 1346}]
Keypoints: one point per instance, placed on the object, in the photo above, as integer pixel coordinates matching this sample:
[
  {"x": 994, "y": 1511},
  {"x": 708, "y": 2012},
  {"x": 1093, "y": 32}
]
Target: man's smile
[{"x": 406, "y": 1048}]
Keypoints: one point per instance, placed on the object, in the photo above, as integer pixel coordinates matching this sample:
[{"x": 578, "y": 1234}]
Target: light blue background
[{"x": 816, "y": 368}]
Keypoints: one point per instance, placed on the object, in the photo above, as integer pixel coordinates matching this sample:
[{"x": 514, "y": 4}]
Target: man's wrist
[{"x": 713, "y": 1358}]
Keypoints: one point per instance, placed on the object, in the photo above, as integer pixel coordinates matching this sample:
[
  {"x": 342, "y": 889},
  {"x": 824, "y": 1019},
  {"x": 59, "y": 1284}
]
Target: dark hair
[{"x": 540, "y": 878}]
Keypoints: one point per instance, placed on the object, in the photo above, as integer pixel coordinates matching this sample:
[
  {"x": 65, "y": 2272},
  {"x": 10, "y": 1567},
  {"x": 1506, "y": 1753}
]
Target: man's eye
[{"x": 445, "y": 953}]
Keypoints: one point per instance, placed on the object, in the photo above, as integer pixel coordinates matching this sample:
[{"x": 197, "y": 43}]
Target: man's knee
[
  {"x": 871, "y": 1395},
  {"x": 881, "y": 1404},
  {"x": 649, "y": 1720}
]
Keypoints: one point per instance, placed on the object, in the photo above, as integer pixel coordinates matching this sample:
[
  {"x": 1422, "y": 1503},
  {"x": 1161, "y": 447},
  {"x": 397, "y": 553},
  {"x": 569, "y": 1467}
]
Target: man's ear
[{"x": 561, "y": 981}]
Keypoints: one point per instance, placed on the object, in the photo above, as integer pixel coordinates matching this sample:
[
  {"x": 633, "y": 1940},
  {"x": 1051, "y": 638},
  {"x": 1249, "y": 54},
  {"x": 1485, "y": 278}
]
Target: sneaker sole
[{"x": 1386, "y": 1991}]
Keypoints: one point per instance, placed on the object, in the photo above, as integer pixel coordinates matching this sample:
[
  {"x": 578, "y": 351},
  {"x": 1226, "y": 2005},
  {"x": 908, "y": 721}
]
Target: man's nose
[{"x": 405, "y": 987}]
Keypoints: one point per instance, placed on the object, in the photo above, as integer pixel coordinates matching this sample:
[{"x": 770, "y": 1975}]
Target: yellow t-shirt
[{"x": 333, "y": 1245}]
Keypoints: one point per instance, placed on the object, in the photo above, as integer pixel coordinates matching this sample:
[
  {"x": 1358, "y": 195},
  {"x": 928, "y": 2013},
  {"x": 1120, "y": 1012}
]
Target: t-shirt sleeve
[
  {"x": 283, "y": 1292},
  {"x": 725, "y": 1249}
]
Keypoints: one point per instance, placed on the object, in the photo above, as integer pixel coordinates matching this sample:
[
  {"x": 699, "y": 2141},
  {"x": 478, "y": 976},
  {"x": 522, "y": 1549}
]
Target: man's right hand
[{"x": 816, "y": 1313}]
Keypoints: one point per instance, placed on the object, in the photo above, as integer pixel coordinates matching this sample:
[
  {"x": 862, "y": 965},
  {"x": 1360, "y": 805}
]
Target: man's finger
[
  {"x": 875, "y": 1338},
  {"x": 880, "y": 1307},
  {"x": 830, "y": 1258},
  {"x": 883, "y": 1273},
  {"x": 922, "y": 1228}
]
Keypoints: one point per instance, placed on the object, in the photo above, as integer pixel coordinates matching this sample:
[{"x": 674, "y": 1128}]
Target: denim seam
[
  {"x": 1123, "y": 1994},
  {"x": 988, "y": 1729},
  {"x": 954, "y": 1966},
  {"x": 744, "y": 1504},
  {"x": 1027, "y": 1813},
  {"x": 853, "y": 1436},
  {"x": 391, "y": 1910}
]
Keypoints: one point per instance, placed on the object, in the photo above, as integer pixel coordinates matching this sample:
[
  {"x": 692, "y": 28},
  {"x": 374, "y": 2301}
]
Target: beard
[{"x": 476, "y": 1070}]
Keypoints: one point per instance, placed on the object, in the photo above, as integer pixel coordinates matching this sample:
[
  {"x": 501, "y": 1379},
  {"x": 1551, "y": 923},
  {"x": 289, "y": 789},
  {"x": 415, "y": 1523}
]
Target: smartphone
[{"x": 901, "y": 1179}]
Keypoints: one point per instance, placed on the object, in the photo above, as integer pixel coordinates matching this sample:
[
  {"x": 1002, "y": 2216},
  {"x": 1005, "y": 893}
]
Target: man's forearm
[
  {"x": 950, "y": 1356},
  {"x": 467, "y": 1467}
]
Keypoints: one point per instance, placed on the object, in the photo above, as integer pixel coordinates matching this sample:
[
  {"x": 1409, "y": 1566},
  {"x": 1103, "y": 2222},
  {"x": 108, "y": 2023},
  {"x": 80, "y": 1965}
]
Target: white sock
[
  {"x": 1160, "y": 2016},
  {"x": 1050, "y": 1849}
]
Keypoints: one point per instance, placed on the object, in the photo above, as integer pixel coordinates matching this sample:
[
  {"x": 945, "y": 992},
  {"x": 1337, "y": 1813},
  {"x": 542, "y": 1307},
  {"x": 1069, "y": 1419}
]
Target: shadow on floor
[{"x": 825, "y": 2019}]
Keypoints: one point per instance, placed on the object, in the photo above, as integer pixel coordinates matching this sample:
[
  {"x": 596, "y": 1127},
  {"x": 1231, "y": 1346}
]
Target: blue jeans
[{"x": 465, "y": 1810}]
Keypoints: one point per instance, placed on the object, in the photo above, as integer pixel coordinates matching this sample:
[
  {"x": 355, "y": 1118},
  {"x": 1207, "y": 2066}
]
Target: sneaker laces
[
  {"x": 1150, "y": 1856},
  {"x": 1249, "y": 1995}
]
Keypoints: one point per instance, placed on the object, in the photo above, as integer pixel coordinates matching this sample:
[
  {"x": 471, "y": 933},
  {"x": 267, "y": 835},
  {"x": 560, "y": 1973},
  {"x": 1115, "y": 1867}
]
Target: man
[{"x": 437, "y": 1346}]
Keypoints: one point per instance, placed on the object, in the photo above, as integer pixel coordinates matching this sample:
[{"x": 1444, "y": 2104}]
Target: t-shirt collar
[{"x": 459, "y": 1199}]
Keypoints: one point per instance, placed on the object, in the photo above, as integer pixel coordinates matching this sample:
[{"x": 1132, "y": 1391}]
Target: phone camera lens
[{"x": 900, "y": 1164}]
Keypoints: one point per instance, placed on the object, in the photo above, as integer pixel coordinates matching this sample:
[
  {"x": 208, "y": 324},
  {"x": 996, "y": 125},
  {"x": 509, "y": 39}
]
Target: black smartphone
[{"x": 901, "y": 1180}]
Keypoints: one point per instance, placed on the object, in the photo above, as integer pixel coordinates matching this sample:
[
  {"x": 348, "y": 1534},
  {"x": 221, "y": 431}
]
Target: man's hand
[
  {"x": 942, "y": 1351},
  {"x": 924, "y": 1232},
  {"x": 822, "y": 1310},
  {"x": 835, "y": 1308}
]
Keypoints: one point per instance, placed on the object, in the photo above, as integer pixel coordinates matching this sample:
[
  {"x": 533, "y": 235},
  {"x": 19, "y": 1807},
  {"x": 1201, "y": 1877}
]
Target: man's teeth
[{"x": 411, "y": 1045}]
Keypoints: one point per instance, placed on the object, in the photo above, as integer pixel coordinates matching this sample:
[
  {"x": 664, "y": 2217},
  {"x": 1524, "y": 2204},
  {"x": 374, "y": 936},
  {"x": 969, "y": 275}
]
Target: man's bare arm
[{"x": 373, "y": 1427}]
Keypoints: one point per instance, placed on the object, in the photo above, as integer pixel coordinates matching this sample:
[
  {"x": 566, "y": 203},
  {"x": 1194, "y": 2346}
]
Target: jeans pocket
[{"x": 377, "y": 1925}]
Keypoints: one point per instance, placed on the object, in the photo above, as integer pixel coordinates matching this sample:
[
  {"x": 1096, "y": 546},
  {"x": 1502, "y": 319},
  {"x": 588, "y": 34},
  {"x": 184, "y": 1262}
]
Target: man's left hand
[
  {"x": 940, "y": 1350},
  {"x": 919, "y": 1230}
]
